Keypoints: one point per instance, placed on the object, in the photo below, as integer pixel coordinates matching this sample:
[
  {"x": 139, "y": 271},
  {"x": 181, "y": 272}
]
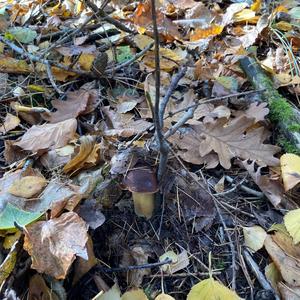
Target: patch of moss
[
  {"x": 294, "y": 127},
  {"x": 288, "y": 146},
  {"x": 280, "y": 110}
]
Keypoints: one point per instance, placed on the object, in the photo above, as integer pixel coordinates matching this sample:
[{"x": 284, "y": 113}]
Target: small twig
[
  {"x": 100, "y": 13},
  {"x": 259, "y": 275},
  {"x": 138, "y": 267},
  {"x": 51, "y": 79},
  {"x": 246, "y": 189},
  {"x": 172, "y": 87},
  {"x": 187, "y": 116}
]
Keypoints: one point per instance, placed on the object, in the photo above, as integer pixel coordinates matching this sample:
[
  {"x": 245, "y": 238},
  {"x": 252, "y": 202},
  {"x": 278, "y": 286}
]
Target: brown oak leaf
[{"x": 231, "y": 139}]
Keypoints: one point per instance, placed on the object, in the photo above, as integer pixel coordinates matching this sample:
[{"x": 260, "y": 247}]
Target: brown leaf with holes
[
  {"x": 48, "y": 136},
  {"x": 231, "y": 139},
  {"x": 53, "y": 245}
]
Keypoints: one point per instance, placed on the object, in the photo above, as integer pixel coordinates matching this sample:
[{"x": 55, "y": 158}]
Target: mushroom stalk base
[{"x": 143, "y": 204}]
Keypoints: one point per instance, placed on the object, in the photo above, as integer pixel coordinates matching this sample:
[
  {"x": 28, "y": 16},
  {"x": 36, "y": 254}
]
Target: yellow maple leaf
[
  {"x": 290, "y": 170},
  {"x": 210, "y": 289},
  {"x": 291, "y": 222}
]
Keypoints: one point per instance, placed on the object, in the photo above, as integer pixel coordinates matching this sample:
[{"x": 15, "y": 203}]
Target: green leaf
[
  {"x": 11, "y": 214},
  {"x": 230, "y": 83},
  {"x": 123, "y": 54},
  {"x": 210, "y": 289},
  {"x": 23, "y": 35}
]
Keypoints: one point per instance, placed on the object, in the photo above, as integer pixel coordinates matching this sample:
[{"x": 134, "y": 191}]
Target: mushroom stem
[{"x": 143, "y": 204}]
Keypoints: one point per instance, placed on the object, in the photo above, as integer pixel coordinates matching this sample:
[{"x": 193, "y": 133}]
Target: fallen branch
[{"x": 285, "y": 116}]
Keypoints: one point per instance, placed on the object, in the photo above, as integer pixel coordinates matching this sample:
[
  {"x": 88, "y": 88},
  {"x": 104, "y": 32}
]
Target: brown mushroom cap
[{"x": 141, "y": 180}]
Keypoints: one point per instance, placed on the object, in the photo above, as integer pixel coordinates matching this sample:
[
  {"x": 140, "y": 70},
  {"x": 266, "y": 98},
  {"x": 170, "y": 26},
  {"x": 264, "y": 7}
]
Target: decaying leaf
[
  {"x": 10, "y": 123},
  {"x": 291, "y": 221},
  {"x": 287, "y": 265},
  {"x": 38, "y": 289},
  {"x": 290, "y": 170},
  {"x": 254, "y": 237},
  {"x": 209, "y": 289},
  {"x": 48, "y": 136},
  {"x": 54, "y": 244},
  {"x": 8, "y": 263},
  {"x": 28, "y": 186}
]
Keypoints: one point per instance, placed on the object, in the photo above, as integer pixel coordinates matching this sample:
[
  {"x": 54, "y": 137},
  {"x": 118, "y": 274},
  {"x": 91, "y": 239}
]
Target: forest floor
[{"x": 149, "y": 149}]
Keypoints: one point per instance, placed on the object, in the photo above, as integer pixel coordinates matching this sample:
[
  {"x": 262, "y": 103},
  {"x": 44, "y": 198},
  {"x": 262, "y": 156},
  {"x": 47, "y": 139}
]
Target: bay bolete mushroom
[{"x": 142, "y": 182}]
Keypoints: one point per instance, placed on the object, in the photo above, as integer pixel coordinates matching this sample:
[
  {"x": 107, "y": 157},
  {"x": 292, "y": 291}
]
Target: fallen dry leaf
[
  {"x": 288, "y": 266},
  {"x": 28, "y": 186},
  {"x": 77, "y": 103},
  {"x": 48, "y": 136},
  {"x": 10, "y": 123},
  {"x": 254, "y": 237},
  {"x": 54, "y": 244},
  {"x": 290, "y": 170},
  {"x": 38, "y": 289},
  {"x": 88, "y": 155}
]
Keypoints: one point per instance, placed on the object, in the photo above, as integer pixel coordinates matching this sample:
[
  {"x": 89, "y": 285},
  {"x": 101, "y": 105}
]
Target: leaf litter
[{"x": 79, "y": 111}]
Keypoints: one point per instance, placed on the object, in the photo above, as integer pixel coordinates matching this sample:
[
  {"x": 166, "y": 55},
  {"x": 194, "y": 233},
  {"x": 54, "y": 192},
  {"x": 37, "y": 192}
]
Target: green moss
[
  {"x": 288, "y": 146},
  {"x": 294, "y": 127},
  {"x": 280, "y": 110}
]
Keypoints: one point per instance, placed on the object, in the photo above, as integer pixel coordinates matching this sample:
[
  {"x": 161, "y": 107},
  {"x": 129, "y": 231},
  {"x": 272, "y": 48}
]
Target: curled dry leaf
[
  {"x": 28, "y": 186},
  {"x": 10, "y": 123},
  {"x": 88, "y": 155},
  {"x": 48, "y": 136},
  {"x": 54, "y": 244},
  {"x": 254, "y": 237}
]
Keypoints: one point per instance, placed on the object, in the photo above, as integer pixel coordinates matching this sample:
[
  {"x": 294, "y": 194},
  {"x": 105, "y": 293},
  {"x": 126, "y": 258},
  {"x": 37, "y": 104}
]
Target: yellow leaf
[
  {"x": 164, "y": 297},
  {"x": 245, "y": 15},
  {"x": 254, "y": 237},
  {"x": 27, "y": 186},
  {"x": 290, "y": 170},
  {"x": 210, "y": 289},
  {"x": 8, "y": 264},
  {"x": 292, "y": 224},
  {"x": 85, "y": 61},
  {"x": 12, "y": 65},
  {"x": 168, "y": 59},
  {"x": 203, "y": 33},
  {"x": 256, "y": 5},
  {"x": 142, "y": 41},
  {"x": 137, "y": 294},
  {"x": 284, "y": 26},
  {"x": 10, "y": 239}
]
